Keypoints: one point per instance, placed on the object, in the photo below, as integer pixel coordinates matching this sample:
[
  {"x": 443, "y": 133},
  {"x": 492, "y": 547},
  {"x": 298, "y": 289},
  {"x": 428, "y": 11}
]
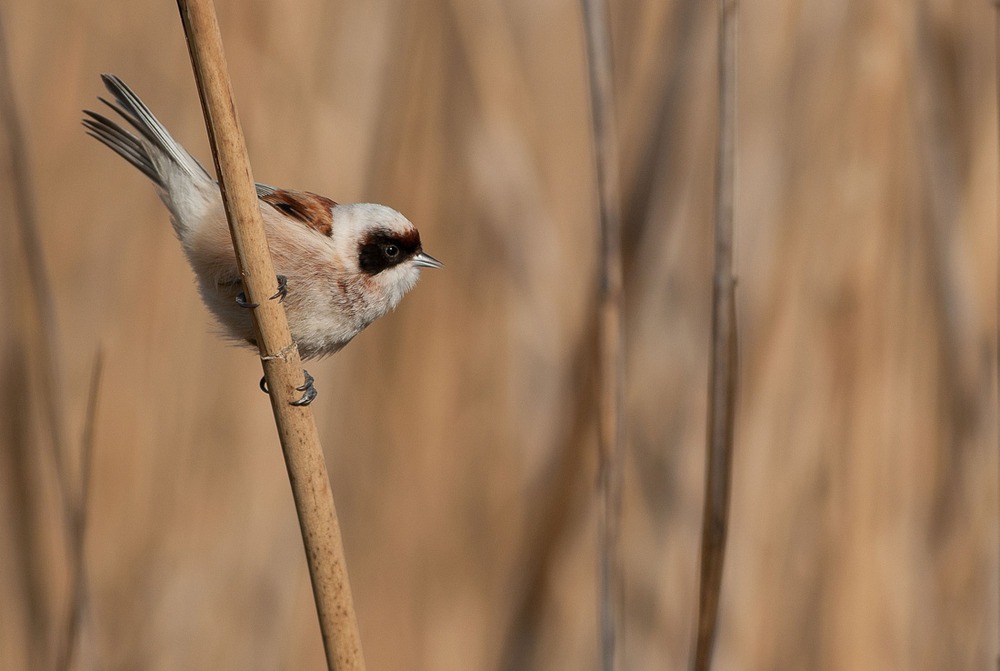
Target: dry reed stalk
[
  {"x": 611, "y": 338},
  {"x": 20, "y": 464},
  {"x": 562, "y": 491},
  {"x": 20, "y": 461},
  {"x": 996, "y": 343},
  {"x": 724, "y": 363},
  {"x": 951, "y": 281},
  {"x": 80, "y": 598},
  {"x": 43, "y": 335},
  {"x": 651, "y": 172},
  {"x": 279, "y": 355}
]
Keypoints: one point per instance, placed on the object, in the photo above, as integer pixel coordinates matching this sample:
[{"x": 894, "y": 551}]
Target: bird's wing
[{"x": 308, "y": 208}]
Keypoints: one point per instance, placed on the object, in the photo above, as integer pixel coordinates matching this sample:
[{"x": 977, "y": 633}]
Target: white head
[{"x": 379, "y": 245}]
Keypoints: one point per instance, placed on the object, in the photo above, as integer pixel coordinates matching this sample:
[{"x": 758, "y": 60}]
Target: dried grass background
[{"x": 459, "y": 429}]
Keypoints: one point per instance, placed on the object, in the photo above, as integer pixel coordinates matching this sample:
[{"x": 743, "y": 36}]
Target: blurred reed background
[{"x": 459, "y": 430}]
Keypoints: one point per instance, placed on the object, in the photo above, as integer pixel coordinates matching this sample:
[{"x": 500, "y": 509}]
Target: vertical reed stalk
[
  {"x": 951, "y": 283},
  {"x": 724, "y": 363},
  {"x": 996, "y": 344},
  {"x": 279, "y": 355},
  {"x": 611, "y": 337},
  {"x": 80, "y": 597},
  {"x": 46, "y": 331},
  {"x": 563, "y": 488},
  {"x": 42, "y": 333}
]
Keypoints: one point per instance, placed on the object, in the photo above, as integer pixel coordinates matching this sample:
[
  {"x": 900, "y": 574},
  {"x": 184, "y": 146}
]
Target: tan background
[{"x": 864, "y": 530}]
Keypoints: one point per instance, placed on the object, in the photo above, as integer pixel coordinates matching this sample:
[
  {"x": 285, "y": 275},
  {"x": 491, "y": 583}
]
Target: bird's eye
[{"x": 391, "y": 251}]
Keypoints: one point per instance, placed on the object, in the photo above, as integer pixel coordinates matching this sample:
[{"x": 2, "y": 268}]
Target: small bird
[{"x": 340, "y": 267}]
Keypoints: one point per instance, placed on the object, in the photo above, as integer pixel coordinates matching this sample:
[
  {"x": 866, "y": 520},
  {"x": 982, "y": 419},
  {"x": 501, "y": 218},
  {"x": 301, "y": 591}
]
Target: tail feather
[
  {"x": 123, "y": 143},
  {"x": 184, "y": 186},
  {"x": 135, "y": 112},
  {"x": 154, "y": 143}
]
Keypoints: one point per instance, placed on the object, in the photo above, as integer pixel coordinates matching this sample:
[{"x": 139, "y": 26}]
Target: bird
[{"x": 339, "y": 266}]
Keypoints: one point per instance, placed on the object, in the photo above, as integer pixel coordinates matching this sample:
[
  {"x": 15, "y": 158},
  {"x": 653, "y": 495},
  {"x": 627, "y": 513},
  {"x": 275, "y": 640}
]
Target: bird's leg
[
  {"x": 309, "y": 392},
  {"x": 241, "y": 298}
]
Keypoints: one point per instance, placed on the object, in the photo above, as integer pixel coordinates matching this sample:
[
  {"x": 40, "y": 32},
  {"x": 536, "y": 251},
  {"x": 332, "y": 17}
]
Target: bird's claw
[
  {"x": 241, "y": 300},
  {"x": 307, "y": 388},
  {"x": 280, "y": 294},
  {"x": 282, "y": 289}
]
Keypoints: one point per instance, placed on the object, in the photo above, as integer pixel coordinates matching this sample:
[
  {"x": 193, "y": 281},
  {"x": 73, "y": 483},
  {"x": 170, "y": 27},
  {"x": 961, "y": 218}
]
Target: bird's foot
[
  {"x": 309, "y": 392},
  {"x": 241, "y": 298},
  {"x": 282, "y": 289}
]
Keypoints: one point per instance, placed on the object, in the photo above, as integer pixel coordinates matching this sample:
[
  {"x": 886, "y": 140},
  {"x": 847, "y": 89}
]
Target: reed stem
[{"x": 279, "y": 354}]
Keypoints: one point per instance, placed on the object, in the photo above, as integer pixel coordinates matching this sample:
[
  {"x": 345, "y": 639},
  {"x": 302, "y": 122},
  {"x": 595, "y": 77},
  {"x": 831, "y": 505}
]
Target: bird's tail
[{"x": 177, "y": 173}]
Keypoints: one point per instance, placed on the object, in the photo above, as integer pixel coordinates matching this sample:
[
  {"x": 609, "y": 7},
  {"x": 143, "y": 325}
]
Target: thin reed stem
[
  {"x": 43, "y": 334},
  {"x": 951, "y": 283},
  {"x": 80, "y": 604},
  {"x": 611, "y": 340},
  {"x": 561, "y": 490},
  {"x": 724, "y": 363},
  {"x": 46, "y": 333},
  {"x": 279, "y": 355},
  {"x": 996, "y": 335}
]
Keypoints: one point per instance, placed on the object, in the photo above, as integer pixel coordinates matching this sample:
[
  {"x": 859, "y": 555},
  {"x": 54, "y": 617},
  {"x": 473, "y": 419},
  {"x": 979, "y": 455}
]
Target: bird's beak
[{"x": 422, "y": 260}]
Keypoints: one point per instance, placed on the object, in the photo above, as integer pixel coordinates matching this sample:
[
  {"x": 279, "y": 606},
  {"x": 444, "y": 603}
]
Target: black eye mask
[{"x": 382, "y": 249}]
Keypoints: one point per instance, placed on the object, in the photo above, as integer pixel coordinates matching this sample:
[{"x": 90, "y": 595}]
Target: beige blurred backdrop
[{"x": 459, "y": 429}]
